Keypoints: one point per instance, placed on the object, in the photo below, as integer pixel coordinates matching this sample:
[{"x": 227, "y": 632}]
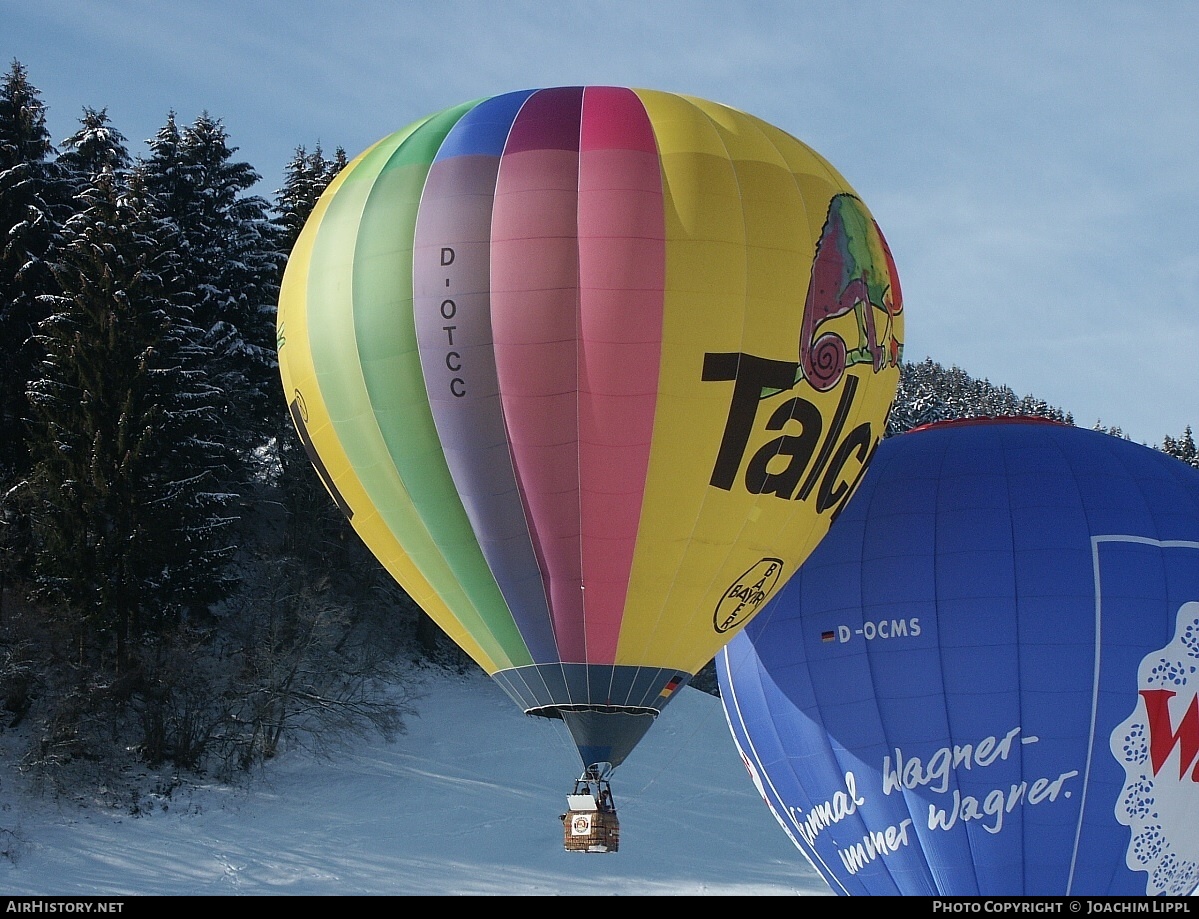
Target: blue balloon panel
[{"x": 983, "y": 680}]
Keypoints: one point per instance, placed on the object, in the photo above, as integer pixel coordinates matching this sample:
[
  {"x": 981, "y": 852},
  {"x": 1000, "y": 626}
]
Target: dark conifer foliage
[
  {"x": 30, "y": 211},
  {"x": 127, "y": 451},
  {"x": 232, "y": 265},
  {"x": 154, "y": 438},
  {"x": 306, "y": 176},
  {"x": 1183, "y": 447},
  {"x": 929, "y": 392},
  {"x": 95, "y": 148}
]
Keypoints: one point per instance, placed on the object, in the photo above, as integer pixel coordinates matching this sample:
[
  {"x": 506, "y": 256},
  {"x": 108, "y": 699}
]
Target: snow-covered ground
[{"x": 466, "y": 803}]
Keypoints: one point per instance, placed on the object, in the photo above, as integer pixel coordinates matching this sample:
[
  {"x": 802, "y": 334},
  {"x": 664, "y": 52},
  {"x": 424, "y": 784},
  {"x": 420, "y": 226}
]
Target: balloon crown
[{"x": 986, "y": 419}]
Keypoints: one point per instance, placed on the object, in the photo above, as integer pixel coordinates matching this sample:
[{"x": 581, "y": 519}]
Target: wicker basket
[{"x": 591, "y": 831}]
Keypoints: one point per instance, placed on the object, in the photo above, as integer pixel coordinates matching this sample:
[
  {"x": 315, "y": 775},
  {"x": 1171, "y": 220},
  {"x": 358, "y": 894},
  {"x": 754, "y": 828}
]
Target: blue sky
[{"x": 1034, "y": 165}]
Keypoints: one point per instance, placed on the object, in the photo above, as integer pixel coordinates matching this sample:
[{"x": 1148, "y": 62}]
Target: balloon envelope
[
  {"x": 590, "y": 369},
  {"x": 983, "y": 681}
]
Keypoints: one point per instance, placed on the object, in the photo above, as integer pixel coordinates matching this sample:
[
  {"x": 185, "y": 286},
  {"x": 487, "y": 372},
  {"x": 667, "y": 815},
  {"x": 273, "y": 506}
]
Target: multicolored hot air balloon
[
  {"x": 983, "y": 681},
  {"x": 590, "y": 370}
]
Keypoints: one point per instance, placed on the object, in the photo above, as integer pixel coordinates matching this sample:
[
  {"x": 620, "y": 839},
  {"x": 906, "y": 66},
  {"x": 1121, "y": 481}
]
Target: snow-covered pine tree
[
  {"x": 129, "y": 527},
  {"x": 306, "y": 176},
  {"x": 30, "y": 200},
  {"x": 232, "y": 264},
  {"x": 97, "y": 146},
  {"x": 929, "y": 392},
  {"x": 1182, "y": 447},
  {"x": 32, "y": 206}
]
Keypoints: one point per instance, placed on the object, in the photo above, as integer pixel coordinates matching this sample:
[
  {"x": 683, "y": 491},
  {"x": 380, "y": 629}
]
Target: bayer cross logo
[{"x": 746, "y": 595}]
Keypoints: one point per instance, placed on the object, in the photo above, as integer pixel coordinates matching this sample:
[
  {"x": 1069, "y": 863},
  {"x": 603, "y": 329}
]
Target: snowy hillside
[{"x": 467, "y": 802}]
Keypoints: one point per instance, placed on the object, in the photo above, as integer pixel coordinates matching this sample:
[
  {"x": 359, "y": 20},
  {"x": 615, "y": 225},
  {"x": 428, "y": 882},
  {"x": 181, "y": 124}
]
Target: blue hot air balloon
[{"x": 983, "y": 681}]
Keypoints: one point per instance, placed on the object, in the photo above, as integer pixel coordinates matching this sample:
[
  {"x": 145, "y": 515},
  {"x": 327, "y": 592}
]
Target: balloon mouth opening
[
  {"x": 559, "y": 711},
  {"x": 985, "y": 419},
  {"x": 602, "y": 733}
]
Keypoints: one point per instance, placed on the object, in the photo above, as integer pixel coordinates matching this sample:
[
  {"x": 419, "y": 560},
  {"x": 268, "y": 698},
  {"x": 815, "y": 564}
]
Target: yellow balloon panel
[{"x": 732, "y": 392}]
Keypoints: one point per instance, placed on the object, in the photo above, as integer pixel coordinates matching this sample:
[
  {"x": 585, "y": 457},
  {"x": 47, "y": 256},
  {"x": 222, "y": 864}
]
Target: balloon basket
[{"x": 590, "y": 823}]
